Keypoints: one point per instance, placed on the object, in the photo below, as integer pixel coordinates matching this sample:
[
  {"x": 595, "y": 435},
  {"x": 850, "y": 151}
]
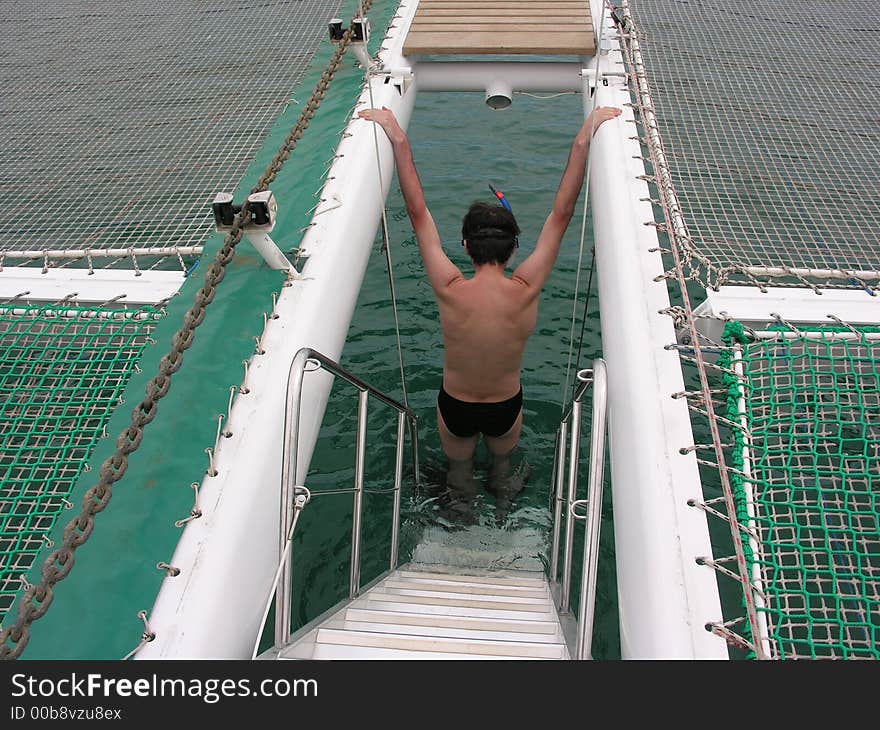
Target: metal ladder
[
  {"x": 571, "y": 420},
  {"x": 430, "y": 612}
]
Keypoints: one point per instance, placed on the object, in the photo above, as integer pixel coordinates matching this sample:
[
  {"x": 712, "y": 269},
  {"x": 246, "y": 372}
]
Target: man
[{"x": 486, "y": 319}]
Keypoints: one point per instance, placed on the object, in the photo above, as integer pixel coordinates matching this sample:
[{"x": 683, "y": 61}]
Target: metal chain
[{"x": 58, "y": 564}]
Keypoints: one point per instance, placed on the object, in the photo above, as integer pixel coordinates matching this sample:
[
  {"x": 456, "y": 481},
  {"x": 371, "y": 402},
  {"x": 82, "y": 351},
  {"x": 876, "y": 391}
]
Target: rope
[
  {"x": 146, "y": 637},
  {"x": 577, "y": 281},
  {"x": 577, "y": 359},
  {"x": 386, "y": 239},
  {"x": 302, "y": 498},
  {"x": 679, "y": 237},
  {"x": 544, "y": 96},
  {"x": 387, "y": 246},
  {"x": 57, "y": 566}
]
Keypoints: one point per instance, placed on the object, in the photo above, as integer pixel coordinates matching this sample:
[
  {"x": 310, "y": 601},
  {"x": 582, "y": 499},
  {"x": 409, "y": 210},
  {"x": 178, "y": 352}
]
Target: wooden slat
[
  {"x": 562, "y": 23},
  {"x": 464, "y": 4},
  {"x": 536, "y": 27},
  {"x": 494, "y": 28},
  {"x": 561, "y": 9},
  {"x": 571, "y": 9},
  {"x": 528, "y": 11},
  {"x": 500, "y": 42},
  {"x": 489, "y": 6}
]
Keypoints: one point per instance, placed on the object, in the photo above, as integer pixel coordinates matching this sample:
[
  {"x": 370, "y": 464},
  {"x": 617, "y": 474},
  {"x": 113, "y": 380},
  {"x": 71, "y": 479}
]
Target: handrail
[
  {"x": 290, "y": 490},
  {"x": 598, "y": 378},
  {"x": 584, "y": 378},
  {"x": 301, "y": 500}
]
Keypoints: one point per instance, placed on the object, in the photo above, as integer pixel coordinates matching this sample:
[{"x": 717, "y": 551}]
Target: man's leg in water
[
  {"x": 501, "y": 447},
  {"x": 504, "y": 482},
  {"x": 460, "y": 483}
]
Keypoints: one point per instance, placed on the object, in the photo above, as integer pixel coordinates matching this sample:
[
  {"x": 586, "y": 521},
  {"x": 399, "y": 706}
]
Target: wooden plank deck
[{"x": 531, "y": 27}]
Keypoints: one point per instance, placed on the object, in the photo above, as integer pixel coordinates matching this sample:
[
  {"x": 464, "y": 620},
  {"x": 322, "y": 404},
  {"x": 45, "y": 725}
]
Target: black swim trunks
[{"x": 465, "y": 419}]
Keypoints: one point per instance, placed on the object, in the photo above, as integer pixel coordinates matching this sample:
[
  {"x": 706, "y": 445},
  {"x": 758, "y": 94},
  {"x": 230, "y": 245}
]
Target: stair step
[
  {"x": 404, "y": 642},
  {"x": 545, "y": 628},
  {"x": 466, "y": 599},
  {"x": 438, "y": 613},
  {"x": 299, "y": 650},
  {"x": 412, "y": 604},
  {"x": 335, "y": 651},
  {"x": 524, "y": 578},
  {"x": 486, "y": 589},
  {"x": 443, "y": 632}
]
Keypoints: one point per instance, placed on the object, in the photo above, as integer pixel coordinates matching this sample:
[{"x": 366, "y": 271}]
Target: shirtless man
[{"x": 486, "y": 319}]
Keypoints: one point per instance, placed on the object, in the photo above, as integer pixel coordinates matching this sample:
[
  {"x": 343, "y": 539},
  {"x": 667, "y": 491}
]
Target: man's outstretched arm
[
  {"x": 441, "y": 271},
  {"x": 537, "y": 267}
]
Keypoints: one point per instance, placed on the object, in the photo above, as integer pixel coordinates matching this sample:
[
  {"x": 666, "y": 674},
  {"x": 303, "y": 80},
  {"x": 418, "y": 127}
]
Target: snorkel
[{"x": 501, "y": 199}]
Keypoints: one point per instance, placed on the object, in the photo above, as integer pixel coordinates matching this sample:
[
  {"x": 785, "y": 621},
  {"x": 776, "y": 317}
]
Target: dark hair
[{"x": 491, "y": 233}]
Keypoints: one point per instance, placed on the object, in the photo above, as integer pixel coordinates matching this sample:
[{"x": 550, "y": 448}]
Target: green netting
[
  {"x": 812, "y": 408},
  {"x": 62, "y": 372}
]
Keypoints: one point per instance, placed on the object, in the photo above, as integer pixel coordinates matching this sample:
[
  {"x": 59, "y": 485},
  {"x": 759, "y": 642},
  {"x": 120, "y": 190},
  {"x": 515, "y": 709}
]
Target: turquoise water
[{"x": 459, "y": 146}]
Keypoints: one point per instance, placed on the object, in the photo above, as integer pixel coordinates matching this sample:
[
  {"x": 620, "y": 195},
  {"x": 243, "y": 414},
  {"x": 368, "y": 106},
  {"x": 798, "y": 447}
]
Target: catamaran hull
[{"x": 228, "y": 557}]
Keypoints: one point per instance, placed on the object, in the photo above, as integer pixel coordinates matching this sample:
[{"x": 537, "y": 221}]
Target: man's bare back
[{"x": 487, "y": 319}]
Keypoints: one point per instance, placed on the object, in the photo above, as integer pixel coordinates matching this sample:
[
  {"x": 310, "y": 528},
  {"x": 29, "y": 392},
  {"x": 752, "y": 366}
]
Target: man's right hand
[
  {"x": 599, "y": 115},
  {"x": 385, "y": 118}
]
